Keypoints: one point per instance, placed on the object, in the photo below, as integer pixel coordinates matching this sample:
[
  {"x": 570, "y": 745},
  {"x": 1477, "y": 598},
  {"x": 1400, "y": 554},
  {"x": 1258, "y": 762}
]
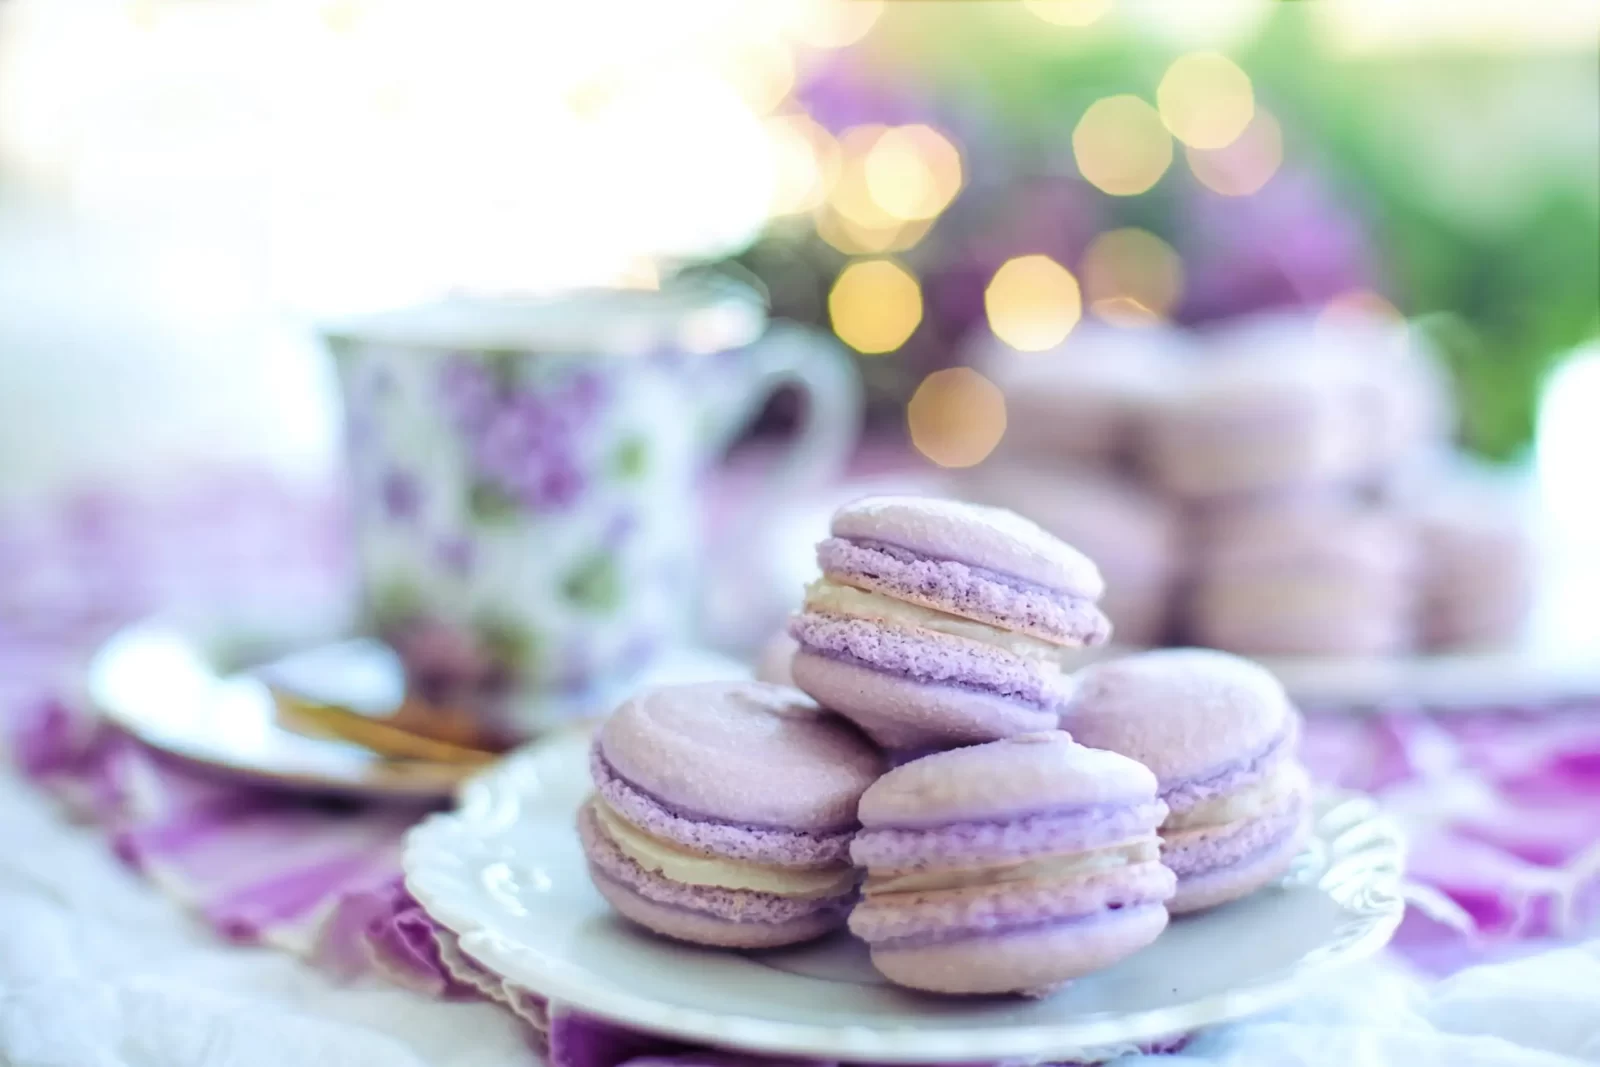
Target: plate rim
[
  {"x": 371, "y": 778},
  {"x": 430, "y": 866}
]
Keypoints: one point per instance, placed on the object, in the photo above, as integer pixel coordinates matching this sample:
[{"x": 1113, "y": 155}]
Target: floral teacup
[{"x": 523, "y": 482}]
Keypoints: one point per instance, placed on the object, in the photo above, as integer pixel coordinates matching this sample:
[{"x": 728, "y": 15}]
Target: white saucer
[
  {"x": 165, "y": 688},
  {"x": 506, "y": 874}
]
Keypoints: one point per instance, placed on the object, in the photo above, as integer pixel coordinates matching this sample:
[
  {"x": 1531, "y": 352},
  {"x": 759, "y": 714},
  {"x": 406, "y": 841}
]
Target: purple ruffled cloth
[{"x": 1501, "y": 807}]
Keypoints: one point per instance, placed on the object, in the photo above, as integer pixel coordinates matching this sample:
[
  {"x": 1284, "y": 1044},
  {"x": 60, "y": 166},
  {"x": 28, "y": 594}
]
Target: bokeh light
[
  {"x": 1121, "y": 146},
  {"x": 1068, "y": 12},
  {"x": 1382, "y": 329},
  {"x": 851, "y": 196},
  {"x": 1211, "y": 24},
  {"x": 1131, "y": 277},
  {"x": 1205, "y": 100},
  {"x": 854, "y": 239},
  {"x": 1244, "y": 166},
  {"x": 806, "y": 163},
  {"x": 763, "y": 73},
  {"x": 1032, "y": 302},
  {"x": 875, "y": 304},
  {"x": 340, "y": 16},
  {"x": 912, "y": 172},
  {"x": 836, "y": 23},
  {"x": 956, "y": 417},
  {"x": 1360, "y": 305}
]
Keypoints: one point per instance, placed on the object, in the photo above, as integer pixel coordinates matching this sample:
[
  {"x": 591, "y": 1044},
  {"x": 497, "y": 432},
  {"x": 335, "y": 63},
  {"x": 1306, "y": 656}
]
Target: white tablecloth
[{"x": 98, "y": 970}]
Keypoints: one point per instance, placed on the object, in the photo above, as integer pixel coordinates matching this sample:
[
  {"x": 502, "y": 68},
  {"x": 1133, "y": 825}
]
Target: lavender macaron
[
  {"x": 723, "y": 813},
  {"x": 1221, "y": 737},
  {"x": 1010, "y": 867},
  {"x": 937, "y": 623}
]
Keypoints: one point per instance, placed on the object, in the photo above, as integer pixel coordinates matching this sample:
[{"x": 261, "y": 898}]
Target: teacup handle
[{"x": 813, "y": 362}]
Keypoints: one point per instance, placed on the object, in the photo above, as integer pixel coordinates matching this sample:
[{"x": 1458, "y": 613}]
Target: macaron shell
[
  {"x": 1030, "y": 961},
  {"x": 753, "y": 918},
  {"x": 682, "y": 924},
  {"x": 987, "y": 842},
  {"x": 1035, "y": 772},
  {"x": 955, "y": 588},
  {"x": 928, "y": 656},
  {"x": 1248, "y": 770},
  {"x": 992, "y": 538},
  {"x": 1224, "y": 884},
  {"x": 1002, "y": 906},
  {"x": 1197, "y": 851},
  {"x": 774, "y": 846},
  {"x": 742, "y": 752},
  {"x": 1180, "y": 712},
  {"x": 901, "y": 713}
]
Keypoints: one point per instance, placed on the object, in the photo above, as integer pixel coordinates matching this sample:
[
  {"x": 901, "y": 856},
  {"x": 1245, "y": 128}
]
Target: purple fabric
[{"x": 1500, "y": 804}]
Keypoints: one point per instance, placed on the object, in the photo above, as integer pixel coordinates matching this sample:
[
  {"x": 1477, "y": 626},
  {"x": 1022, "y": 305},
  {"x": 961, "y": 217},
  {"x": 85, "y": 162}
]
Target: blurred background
[{"x": 186, "y": 185}]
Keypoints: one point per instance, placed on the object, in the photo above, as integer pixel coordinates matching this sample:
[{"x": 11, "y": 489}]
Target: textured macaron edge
[
  {"x": 1062, "y": 617},
  {"x": 713, "y": 837},
  {"x": 935, "y": 659},
  {"x": 959, "y": 844},
  {"x": 1182, "y": 794},
  {"x": 733, "y": 905},
  {"x": 900, "y": 713},
  {"x": 1222, "y": 884},
  {"x": 936, "y": 915},
  {"x": 1032, "y": 961}
]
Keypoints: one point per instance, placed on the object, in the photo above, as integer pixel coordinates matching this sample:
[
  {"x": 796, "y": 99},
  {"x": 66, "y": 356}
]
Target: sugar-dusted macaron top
[
  {"x": 1021, "y": 775},
  {"x": 991, "y": 538},
  {"x": 1181, "y": 712},
  {"x": 742, "y": 752}
]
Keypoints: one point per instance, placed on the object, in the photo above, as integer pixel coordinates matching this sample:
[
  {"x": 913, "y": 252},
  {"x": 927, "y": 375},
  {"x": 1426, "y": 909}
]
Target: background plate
[
  {"x": 166, "y": 688},
  {"x": 505, "y": 873}
]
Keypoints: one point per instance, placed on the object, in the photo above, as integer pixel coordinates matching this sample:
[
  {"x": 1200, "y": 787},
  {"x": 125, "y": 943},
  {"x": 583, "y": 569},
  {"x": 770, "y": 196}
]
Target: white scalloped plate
[{"x": 506, "y": 874}]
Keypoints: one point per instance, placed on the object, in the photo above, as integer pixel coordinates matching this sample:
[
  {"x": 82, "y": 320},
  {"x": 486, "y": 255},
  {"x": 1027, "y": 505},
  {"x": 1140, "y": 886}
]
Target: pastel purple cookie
[
  {"x": 1478, "y": 567},
  {"x": 1131, "y": 533},
  {"x": 1309, "y": 576},
  {"x": 1221, "y": 738},
  {"x": 939, "y": 623},
  {"x": 1083, "y": 403},
  {"x": 1009, "y": 867},
  {"x": 1257, "y": 422},
  {"x": 723, "y": 813}
]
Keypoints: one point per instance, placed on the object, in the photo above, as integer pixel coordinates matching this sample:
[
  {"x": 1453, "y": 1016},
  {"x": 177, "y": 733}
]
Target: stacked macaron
[
  {"x": 1086, "y": 400},
  {"x": 1221, "y": 440},
  {"x": 1303, "y": 576},
  {"x": 1011, "y": 866},
  {"x": 1003, "y": 854},
  {"x": 1478, "y": 571},
  {"x": 1221, "y": 738},
  {"x": 1132, "y": 534},
  {"x": 723, "y": 813},
  {"x": 937, "y": 623}
]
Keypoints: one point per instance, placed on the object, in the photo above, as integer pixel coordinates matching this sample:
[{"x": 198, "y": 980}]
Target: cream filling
[
  {"x": 681, "y": 865},
  {"x": 1247, "y": 803},
  {"x": 1044, "y": 868},
  {"x": 834, "y": 598}
]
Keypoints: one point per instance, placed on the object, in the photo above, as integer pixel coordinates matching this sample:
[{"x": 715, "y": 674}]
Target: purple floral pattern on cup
[
  {"x": 523, "y": 439},
  {"x": 522, "y": 516}
]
